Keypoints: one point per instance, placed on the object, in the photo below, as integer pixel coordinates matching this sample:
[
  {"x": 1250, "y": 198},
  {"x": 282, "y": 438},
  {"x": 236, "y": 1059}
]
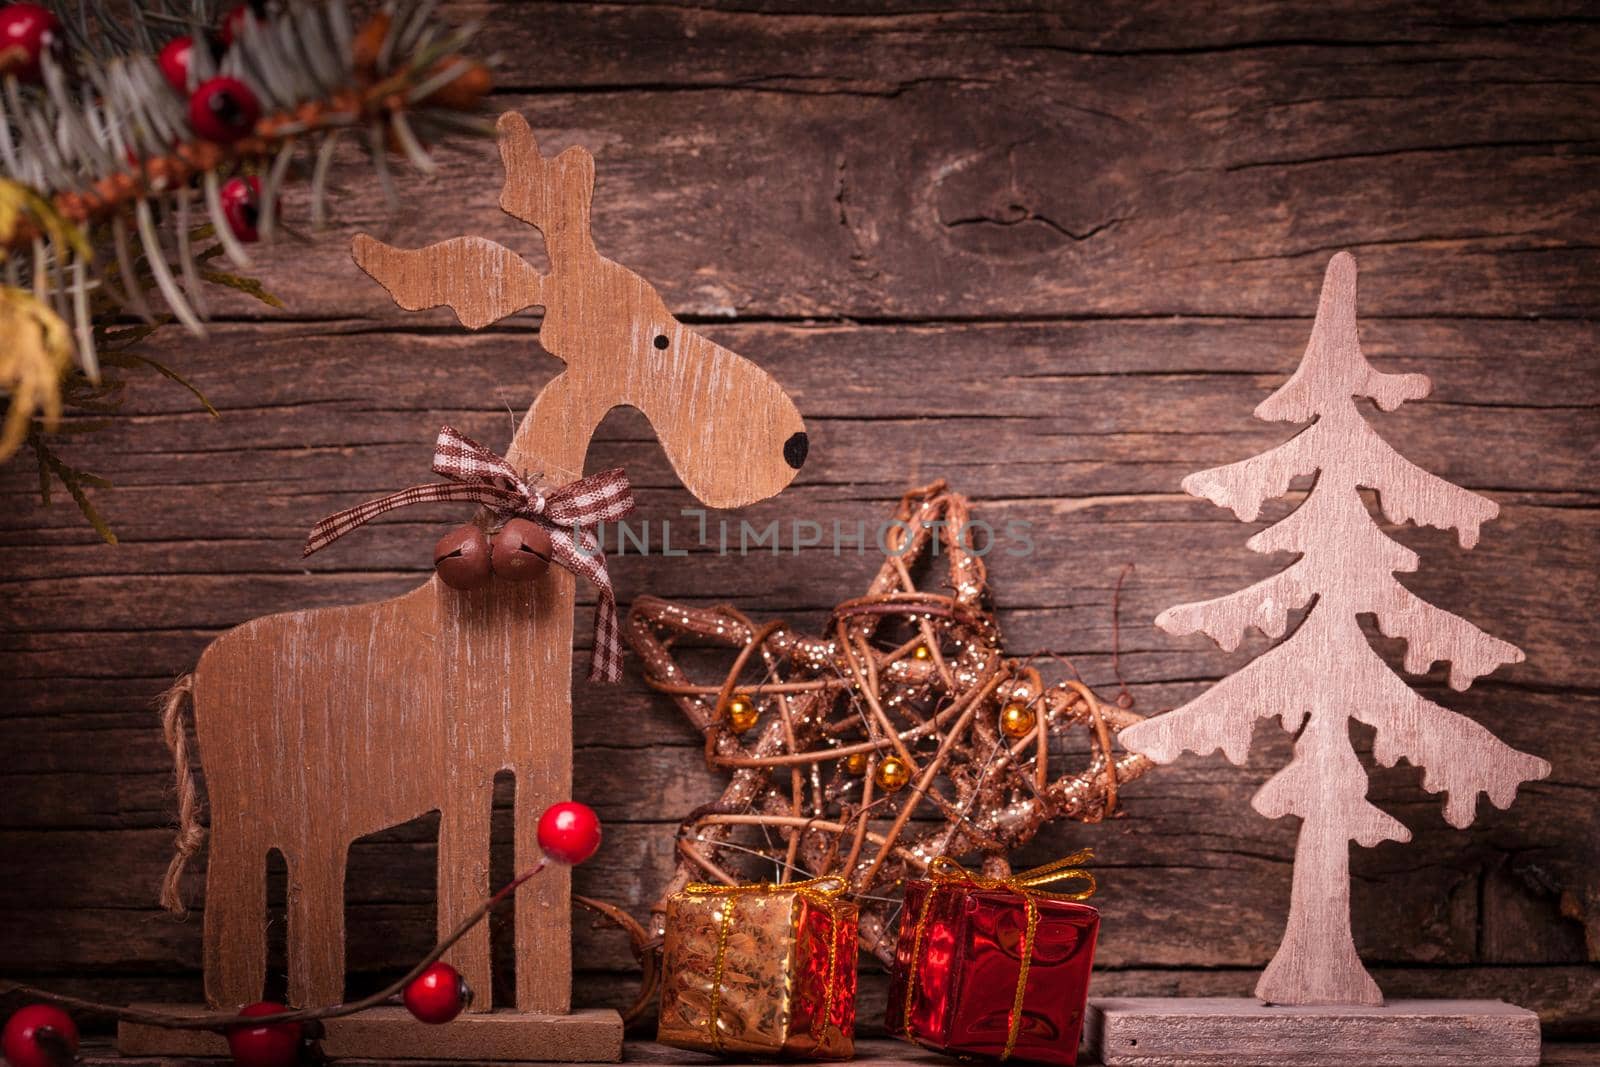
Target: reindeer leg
[
  {"x": 544, "y": 940},
  {"x": 316, "y": 925},
  {"x": 235, "y": 917},
  {"x": 464, "y": 883}
]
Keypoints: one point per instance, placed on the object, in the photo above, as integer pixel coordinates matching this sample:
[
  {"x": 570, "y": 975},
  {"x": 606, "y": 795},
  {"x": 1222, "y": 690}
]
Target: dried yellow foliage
[
  {"x": 35, "y": 351},
  {"x": 21, "y": 205}
]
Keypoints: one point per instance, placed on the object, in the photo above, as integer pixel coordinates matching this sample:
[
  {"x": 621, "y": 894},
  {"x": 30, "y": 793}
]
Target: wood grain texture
[
  {"x": 317, "y": 727},
  {"x": 1157, "y": 1032},
  {"x": 860, "y": 198},
  {"x": 1326, "y": 673}
]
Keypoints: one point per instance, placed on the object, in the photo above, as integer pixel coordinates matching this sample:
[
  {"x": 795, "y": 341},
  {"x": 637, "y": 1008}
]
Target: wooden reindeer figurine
[{"x": 318, "y": 727}]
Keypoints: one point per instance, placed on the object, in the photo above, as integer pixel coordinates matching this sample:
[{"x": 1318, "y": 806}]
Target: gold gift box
[{"x": 767, "y": 969}]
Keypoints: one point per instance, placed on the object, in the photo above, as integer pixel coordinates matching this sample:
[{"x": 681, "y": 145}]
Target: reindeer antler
[
  {"x": 551, "y": 194},
  {"x": 481, "y": 281}
]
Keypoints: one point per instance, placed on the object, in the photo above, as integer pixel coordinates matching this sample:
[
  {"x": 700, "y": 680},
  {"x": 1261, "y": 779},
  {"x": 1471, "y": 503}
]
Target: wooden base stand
[
  {"x": 1168, "y": 1032},
  {"x": 391, "y": 1033}
]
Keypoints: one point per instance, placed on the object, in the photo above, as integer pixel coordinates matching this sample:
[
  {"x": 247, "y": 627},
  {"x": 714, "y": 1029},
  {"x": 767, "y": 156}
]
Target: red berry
[
  {"x": 569, "y": 832},
  {"x": 241, "y": 206},
  {"x": 438, "y": 994},
  {"x": 26, "y": 30},
  {"x": 233, "y": 22},
  {"x": 40, "y": 1035},
  {"x": 271, "y": 1045},
  {"x": 174, "y": 62},
  {"x": 224, "y": 110},
  {"x": 177, "y": 56}
]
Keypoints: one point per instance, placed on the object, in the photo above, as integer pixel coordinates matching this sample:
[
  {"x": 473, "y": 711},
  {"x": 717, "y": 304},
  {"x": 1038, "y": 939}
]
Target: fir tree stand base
[
  {"x": 591, "y": 1035},
  {"x": 1243, "y": 1032}
]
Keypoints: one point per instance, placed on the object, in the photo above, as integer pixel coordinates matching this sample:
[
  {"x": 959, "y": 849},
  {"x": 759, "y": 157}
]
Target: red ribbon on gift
[{"x": 565, "y": 512}]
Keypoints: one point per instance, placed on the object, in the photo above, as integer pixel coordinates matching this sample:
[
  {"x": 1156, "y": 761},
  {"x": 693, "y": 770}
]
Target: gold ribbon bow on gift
[
  {"x": 946, "y": 872},
  {"x": 822, "y": 892}
]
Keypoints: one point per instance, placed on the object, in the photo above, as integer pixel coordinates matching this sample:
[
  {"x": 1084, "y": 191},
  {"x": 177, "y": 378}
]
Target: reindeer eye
[{"x": 661, "y": 340}]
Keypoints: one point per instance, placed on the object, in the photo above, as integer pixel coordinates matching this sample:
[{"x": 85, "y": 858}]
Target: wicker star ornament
[{"x": 903, "y": 732}]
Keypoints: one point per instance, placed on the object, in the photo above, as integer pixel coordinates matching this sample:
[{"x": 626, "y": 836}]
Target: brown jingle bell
[
  {"x": 521, "y": 550},
  {"x": 462, "y": 558}
]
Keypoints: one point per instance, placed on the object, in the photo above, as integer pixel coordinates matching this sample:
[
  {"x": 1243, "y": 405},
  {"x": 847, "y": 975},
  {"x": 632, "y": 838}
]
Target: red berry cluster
[{"x": 222, "y": 110}]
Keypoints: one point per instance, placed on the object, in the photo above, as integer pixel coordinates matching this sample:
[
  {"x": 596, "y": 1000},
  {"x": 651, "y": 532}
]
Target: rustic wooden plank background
[{"x": 1053, "y": 255}]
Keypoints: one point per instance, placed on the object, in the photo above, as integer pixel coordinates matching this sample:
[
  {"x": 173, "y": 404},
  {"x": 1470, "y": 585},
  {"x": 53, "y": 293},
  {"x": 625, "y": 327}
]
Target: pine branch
[
  {"x": 115, "y": 168},
  {"x": 119, "y": 151},
  {"x": 132, "y": 359},
  {"x": 75, "y": 482}
]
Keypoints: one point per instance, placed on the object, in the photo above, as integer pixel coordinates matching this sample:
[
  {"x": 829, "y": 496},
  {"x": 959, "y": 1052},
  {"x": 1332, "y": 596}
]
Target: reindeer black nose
[{"x": 795, "y": 449}]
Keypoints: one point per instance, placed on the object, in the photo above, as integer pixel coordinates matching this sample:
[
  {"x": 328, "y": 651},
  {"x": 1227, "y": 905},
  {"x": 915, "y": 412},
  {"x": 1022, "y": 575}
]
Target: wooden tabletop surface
[
  {"x": 869, "y": 1053},
  {"x": 1055, "y": 256}
]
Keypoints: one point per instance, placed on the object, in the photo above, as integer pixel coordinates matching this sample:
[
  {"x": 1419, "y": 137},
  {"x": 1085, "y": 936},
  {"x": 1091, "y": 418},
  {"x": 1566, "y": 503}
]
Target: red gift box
[{"x": 995, "y": 967}]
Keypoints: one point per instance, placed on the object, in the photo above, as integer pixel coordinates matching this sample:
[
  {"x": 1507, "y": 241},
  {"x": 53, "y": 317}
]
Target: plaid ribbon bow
[{"x": 565, "y": 512}]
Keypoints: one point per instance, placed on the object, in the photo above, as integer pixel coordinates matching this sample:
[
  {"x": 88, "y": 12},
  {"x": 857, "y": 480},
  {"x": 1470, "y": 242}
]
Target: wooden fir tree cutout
[
  {"x": 1327, "y": 673},
  {"x": 318, "y": 727}
]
